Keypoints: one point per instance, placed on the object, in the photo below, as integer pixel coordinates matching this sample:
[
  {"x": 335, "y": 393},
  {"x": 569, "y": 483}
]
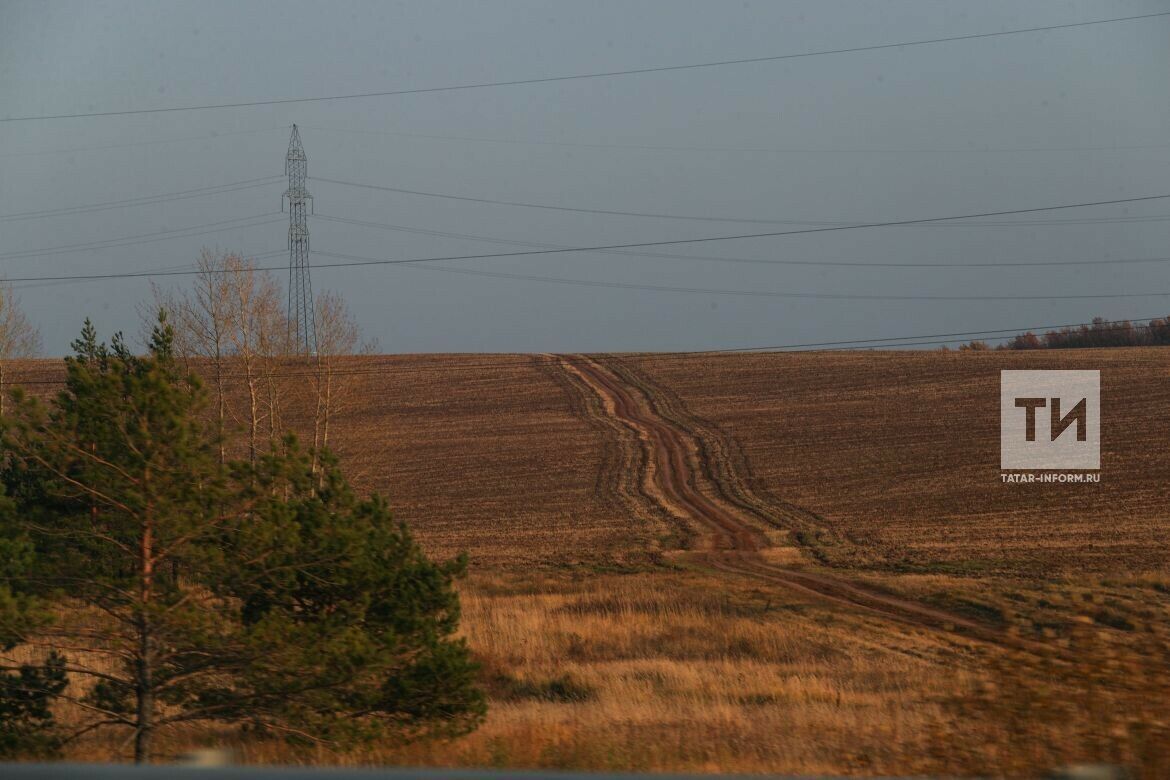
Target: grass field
[{"x": 604, "y": 647}]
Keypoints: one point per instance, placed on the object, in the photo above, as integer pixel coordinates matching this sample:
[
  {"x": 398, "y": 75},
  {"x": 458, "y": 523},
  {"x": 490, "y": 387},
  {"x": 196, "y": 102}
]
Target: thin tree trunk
[
  {"x": 246, "y": 359},
  {"x": 328, "y": 407},
  {"x": 273, "y": 410},
  {"x": 254, "y": 419},
  {"x": 318, "y": 414},
  {"x": 144, "y": 678},
  {"x": 145, "y": 690},
  {"x": 222, "y": 402}
]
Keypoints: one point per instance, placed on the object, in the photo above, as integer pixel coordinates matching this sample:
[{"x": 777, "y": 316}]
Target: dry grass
[
  {"x": 682, "y": 670},
  {"x": 670, "y": 670}
]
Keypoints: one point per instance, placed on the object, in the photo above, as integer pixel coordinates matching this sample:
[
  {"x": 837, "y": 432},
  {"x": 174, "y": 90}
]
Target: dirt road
[{"x": 690, "y": 477}]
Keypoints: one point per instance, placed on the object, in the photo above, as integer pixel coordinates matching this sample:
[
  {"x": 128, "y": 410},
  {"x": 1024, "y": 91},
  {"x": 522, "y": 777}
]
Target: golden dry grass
[{"x": 681, "y": 670}]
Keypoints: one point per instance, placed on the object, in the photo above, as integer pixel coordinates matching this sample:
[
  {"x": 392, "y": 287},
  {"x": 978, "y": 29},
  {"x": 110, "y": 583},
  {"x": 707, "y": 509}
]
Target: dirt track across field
[{"x": 687, "y": 473}]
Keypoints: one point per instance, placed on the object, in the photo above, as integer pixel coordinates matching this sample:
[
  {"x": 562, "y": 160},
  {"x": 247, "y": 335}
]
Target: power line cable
[
  {"x": 148, "y": 238},
  {"x": 804, "y": 231},
  {"x": 754, "y": 293},
  {"x": 737, "y": 149},
  {"x": 750, "y": 260},
  {"x": 144, "y": 200},
  {"x": 59, "y": 282},
  {"x": 605, "y": 247},
  {"x": 890, "y": 339},
  {"x": 135, "y": 144},
  {"x": 704, "y": 218},
  {"x": 594, "y": 75}
]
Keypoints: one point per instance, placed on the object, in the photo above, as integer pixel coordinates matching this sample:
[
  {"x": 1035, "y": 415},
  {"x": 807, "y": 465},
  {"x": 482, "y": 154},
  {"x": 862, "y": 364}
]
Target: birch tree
[
  {"x": 18, "y": 337},
  {"x": 255, "y": 327},
  {"x": 232, "y": 321},
  {"x": 338, "y": 337}
]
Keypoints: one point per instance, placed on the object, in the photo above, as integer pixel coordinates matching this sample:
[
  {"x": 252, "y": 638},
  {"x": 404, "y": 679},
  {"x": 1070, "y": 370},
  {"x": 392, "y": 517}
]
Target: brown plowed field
[
  {"x": 897, "y": 453},
  {"x": 492, "y": 459}
]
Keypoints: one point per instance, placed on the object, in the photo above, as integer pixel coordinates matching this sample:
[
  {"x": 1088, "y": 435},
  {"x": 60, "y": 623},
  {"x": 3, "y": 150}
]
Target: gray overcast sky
[{"x": 885, "y": 135}]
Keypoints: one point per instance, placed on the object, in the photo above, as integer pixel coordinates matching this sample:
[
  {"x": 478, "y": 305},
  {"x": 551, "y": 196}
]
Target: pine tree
[{"x": 266, "y": 594}]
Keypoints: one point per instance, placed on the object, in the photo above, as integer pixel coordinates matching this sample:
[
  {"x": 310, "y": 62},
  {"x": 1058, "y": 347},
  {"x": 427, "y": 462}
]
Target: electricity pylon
[{"x": 302, "y": 323}]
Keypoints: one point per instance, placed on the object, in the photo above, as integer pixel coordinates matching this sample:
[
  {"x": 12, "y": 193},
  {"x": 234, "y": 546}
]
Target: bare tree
[
  {"x": 19, "y": 338},
  {"x": 256, "y": 322},
  {"x": 338, "y": 336},
  {"x": 232, "y": 321},
  {"x": 274, "y": 346}
]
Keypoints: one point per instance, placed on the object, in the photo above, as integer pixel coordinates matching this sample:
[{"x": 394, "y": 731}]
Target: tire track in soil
[
  {"x": 679, "y": 475},
  {"x": 620, "y": 472}
]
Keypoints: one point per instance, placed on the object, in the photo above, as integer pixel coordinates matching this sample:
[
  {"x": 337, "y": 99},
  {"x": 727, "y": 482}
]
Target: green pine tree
[{"x": 267, "y": 595}]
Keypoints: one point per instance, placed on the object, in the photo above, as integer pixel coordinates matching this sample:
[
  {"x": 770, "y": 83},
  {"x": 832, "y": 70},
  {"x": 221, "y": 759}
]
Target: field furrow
[{"x": 686, "y": 476}]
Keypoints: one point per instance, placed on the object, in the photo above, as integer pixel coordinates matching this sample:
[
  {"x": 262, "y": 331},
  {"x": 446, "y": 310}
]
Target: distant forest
[{"x": 1100, "y": 333}]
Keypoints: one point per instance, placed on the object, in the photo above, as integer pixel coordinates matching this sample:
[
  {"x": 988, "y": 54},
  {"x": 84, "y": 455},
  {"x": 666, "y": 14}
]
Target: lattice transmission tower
[{"x": 302, "y": 323}]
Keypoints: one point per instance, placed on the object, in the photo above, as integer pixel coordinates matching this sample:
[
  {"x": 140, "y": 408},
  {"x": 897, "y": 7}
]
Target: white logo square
[{"x": 1050, "y": 420}]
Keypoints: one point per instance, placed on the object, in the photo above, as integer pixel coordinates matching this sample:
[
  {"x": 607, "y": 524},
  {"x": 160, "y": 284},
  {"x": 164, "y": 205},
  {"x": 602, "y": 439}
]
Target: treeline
[{"x": 1099, "y": 333}]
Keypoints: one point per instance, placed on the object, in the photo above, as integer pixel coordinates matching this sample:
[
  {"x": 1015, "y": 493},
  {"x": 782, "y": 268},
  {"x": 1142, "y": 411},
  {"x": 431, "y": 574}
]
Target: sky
[{"x": 962, "y": 127}]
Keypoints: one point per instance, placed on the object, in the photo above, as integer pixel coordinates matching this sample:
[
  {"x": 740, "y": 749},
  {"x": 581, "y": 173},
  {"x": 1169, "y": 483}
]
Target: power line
[
  {"x": 58, "y": 282},
  {"x": 741, "y": 220},
  {"x": 891, "y": 339},
  {"x": 804, "y": 231},
  {"x": 144, "y": 200},
  {"x": 606, "y": 247},
  {"x": 148, "y": 238},
  {"x": 754, "y": 293},
  {"x": 751, "y": 260},
  {"x": 737, "y": 149},
  {"x": 594, "y": 75},
  {"x": 507, "y": 359},
  {"x": 135, "y": 144}
]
